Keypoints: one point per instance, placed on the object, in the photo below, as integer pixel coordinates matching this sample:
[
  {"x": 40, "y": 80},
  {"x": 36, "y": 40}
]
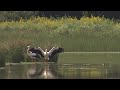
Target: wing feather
[
  {"x": 37, "y": 51},
  {"x": 55, "y": 51}
]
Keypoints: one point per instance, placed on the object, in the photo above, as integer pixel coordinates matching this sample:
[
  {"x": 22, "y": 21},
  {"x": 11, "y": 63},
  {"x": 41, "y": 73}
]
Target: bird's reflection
[
  {"x": 37, "y": 71},
  {"x": 47, "y": 73}
]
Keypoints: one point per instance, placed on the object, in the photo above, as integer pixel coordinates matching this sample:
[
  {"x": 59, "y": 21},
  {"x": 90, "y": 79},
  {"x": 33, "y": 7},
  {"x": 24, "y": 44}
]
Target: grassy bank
[{"x": 86, "y": 34}]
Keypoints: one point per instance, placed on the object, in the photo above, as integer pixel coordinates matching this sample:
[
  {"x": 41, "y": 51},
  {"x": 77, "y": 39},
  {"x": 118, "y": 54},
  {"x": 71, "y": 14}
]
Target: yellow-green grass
[{"x": 86, "y": 34}]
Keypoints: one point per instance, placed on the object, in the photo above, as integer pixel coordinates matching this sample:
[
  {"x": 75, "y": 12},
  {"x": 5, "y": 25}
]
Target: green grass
[{"x": 87, "y": 34}]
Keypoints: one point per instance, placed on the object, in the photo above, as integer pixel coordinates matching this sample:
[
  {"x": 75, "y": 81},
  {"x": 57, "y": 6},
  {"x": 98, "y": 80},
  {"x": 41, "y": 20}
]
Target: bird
[
  {"x": 47, "y": 55},
  {"x": 33, "y": 53}
]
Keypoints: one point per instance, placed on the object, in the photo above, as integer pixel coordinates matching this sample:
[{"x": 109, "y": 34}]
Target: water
[
  {"x": 80, "y": 65},
  {"x": 60, "y": 71}
]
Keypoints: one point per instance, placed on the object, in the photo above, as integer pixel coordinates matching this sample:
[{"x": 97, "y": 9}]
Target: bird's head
[
  {"x": 28, "y": 46},
  {"x": 28, "y": 50}
]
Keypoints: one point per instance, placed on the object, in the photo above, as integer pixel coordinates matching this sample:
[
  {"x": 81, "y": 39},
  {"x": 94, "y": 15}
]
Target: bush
[{"x": 16, "y": 55}]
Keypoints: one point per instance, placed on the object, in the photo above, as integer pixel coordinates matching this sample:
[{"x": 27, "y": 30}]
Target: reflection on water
[
  {"x": 47, "y": 73},
  {"x": 60, "y": 71},
  {"x": 36, "y": 72}
]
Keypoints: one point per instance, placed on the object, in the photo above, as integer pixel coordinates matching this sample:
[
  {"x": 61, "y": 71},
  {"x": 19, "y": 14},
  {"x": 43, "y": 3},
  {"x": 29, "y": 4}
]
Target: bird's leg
[
  {"x": 33, "y": 60},
  {"x": 45, "y": 61}
]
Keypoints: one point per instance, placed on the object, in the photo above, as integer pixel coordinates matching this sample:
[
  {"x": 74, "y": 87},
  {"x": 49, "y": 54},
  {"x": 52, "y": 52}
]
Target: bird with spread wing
[{"x": 46, "y": 55}]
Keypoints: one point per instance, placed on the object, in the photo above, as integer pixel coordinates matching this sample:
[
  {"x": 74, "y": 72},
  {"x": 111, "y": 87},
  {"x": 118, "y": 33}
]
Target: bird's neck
[
  {"x": 46, "y": 54},
  {"x": 28, "y": 52},
  {"x": 46, "y": 51}
]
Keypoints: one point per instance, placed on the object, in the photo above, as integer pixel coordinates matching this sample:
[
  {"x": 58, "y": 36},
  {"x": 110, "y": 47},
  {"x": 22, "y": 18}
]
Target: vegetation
[
  {"x": 85, "y": 35},
  {"x": 16, "y": 15}
]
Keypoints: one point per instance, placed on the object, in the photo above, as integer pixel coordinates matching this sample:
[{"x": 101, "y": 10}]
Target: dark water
[{"x": 60, "y": 71}]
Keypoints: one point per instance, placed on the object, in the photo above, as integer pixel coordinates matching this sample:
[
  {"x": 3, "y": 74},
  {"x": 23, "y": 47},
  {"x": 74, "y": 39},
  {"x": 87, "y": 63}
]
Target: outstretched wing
[
  {"x": 55, "y": 51},
  {"x": 36, "y": 51},
  {"x": 40, "y": 51}
]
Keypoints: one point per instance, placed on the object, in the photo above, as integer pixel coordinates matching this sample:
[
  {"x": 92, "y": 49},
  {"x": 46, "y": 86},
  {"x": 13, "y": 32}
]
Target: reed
[{"x": 86, "y": 34}]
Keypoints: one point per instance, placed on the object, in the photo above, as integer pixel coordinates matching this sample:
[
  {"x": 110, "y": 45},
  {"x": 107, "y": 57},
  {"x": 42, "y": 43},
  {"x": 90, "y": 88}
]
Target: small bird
[{"x": 34, "y": 53}]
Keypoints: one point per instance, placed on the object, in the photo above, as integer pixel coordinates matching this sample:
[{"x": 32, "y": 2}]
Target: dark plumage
[
  {"x": 55, "y": 51},
  {"x": 36, "y": 50},
  {"x": 33, "y": 53}
]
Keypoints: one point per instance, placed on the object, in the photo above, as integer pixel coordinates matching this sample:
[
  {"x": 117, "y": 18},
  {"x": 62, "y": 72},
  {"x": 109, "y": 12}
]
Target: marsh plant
[{"x": 86, "y": 34}]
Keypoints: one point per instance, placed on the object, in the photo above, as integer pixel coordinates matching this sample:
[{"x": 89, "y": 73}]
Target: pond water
[
  {"x": 79, "y": 65},
  {"x": 60, "y": 71}
]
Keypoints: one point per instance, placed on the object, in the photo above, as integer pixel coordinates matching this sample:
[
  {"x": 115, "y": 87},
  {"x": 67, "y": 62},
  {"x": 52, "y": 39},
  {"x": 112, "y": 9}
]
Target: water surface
[
  {"x": 60, "y": 71},
  {"x": 69, "y": 66}
]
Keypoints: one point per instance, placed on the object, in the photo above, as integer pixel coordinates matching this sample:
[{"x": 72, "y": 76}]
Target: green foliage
[
  {"x": 16, "y": 15},
  {"x": 16, "y": 55},
  {"x": 86, "y": 34},
  {"x": 15, "y": 51}
]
